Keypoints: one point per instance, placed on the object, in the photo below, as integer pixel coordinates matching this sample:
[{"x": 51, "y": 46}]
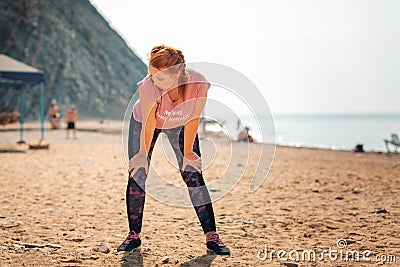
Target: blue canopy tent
[{"x": 16, "y": 73}]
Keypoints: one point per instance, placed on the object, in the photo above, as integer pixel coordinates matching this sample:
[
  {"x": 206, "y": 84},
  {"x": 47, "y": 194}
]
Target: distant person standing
[
  {"x": 71, "y": 117},
  {"x": 54, "y": 115}
]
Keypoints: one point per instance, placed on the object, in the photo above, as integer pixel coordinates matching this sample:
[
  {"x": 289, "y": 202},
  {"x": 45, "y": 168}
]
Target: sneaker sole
[
  {"x": 209, "y": 251},
  {"x": 138, "y": 248}
]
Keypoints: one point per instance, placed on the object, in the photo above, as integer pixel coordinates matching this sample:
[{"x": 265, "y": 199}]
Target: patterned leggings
[{"x": 135, "y": 195}]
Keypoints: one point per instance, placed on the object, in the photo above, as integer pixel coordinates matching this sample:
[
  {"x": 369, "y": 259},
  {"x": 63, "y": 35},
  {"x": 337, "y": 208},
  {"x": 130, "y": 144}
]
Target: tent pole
[
  {"x": 41, "y": 111},
  {"x": 21, "y": 117}
]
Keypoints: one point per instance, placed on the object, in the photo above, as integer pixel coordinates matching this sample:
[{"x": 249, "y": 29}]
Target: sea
[{"x": 327, "y": 131}]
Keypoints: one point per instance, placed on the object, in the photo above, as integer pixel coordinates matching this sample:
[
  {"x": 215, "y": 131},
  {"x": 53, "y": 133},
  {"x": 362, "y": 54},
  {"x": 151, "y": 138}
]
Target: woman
[{"x": 171, "y": 99}]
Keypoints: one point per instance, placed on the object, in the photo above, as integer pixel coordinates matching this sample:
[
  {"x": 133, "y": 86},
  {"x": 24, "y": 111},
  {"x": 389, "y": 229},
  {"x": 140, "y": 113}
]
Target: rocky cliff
[{"x": 84, "y": 60}]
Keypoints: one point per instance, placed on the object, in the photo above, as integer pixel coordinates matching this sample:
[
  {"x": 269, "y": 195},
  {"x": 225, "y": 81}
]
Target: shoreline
[{"x": 113, "y": 127}]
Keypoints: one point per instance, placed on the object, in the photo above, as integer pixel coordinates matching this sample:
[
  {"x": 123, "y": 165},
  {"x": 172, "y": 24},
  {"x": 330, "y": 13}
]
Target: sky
[{"x": 334, "y": 57}]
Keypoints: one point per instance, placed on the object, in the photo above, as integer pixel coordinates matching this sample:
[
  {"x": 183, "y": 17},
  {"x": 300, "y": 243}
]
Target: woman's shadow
[
  {"x": 203, "y": 260},
  {"x": 134, "y": 258}
]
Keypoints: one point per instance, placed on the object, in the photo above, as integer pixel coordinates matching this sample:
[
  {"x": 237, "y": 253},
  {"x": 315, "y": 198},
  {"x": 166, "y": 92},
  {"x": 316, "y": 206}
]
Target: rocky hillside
[{"x": 85, "y": 61}]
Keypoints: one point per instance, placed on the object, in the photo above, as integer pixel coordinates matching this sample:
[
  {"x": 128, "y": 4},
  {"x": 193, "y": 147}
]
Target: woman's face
[{"x": 162, "y": 78}]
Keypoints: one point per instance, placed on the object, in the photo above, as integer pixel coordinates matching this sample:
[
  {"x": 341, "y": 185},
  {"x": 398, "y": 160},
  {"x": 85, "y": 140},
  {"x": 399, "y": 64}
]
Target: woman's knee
[{"x": 193, "y": 179}]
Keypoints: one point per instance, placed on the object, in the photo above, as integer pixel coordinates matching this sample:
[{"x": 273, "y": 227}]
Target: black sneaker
[
  {"x": 215, "y": 245},
  {"x": 131, "y": 243}
]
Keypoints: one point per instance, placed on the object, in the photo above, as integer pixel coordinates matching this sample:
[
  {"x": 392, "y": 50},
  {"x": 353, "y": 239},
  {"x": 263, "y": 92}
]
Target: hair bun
[
  {"x": 157, "y": 48},
  {"x": 181, "y": 55}
]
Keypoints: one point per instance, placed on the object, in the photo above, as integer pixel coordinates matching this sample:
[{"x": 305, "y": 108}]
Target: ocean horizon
[{"x": 328, "y": 131}]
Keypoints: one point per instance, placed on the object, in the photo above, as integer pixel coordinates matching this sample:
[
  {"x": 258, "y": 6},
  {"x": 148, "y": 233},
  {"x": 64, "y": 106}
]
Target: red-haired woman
[{"x": 171, "y": 99}]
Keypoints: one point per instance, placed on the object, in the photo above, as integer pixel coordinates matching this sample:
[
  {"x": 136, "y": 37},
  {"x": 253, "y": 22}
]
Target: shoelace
[
  {"x": 130, "y": 238},
  {"x": 215, "y": 238}
]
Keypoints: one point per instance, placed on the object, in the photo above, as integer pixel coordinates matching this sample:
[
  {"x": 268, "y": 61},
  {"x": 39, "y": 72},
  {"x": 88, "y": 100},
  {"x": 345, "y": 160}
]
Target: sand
[{"x": 65, "y": 206}]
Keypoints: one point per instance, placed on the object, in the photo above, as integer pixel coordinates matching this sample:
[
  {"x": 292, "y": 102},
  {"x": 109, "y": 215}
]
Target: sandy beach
[{"x": 65, "y": 206}]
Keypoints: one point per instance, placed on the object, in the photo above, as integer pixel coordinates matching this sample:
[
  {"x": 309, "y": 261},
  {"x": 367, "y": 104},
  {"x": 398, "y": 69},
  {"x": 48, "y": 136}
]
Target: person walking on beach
[
  {"x": 71, "y": 117},
  {"x": 171, "y": 99}
]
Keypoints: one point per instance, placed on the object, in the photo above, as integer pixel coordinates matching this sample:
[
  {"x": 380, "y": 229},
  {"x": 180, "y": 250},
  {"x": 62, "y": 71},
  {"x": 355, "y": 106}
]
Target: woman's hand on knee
[
  {"x": 136, "y": 162},
  {"x": 193, "y": 160}
]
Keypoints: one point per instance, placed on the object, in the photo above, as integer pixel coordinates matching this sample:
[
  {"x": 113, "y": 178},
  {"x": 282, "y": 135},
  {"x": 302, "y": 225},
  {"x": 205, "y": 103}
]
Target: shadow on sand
[
  {"x": 135, "y": 259},
  {"x": 131, "y": 259},
  {"x": 203, "y": 260}
]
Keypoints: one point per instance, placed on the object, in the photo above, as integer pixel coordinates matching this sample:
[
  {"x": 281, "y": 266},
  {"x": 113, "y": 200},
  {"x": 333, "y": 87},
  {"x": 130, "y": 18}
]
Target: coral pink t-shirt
[{"x": 171, "y": 114}]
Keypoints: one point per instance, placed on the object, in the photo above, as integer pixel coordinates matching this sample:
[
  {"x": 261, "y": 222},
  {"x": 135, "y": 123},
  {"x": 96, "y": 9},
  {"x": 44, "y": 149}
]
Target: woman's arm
[
  {"x": 148, "y": 124},
  {"x": 191, "y": 126}
]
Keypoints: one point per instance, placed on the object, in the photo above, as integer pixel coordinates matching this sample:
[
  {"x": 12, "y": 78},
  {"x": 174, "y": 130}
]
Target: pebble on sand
[
  {"x": 165, "y": 259},
  {"x": 50, "y": 245},
  {"x": 10, "y": 224},
  {"x": 290, "y": 264},
  {"x": 101, "y": 247},
  {"x": 31, "y": 245},
  {"x": 355, "y": 191},
  {"x": 350, "y": 241},
  {"x": 382, "y": 211}
]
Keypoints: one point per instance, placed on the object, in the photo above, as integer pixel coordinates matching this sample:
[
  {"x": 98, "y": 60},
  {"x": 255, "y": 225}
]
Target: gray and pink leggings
[{"x": 198, "y": 192}]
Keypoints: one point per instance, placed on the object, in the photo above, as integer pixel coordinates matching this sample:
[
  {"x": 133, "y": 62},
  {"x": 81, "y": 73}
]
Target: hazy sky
[{"x": 305, "y": 56}]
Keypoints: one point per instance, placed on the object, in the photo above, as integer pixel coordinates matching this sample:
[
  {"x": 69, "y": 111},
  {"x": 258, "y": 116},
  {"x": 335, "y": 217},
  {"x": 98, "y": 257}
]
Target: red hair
[{"x": 162, "y": 56}]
